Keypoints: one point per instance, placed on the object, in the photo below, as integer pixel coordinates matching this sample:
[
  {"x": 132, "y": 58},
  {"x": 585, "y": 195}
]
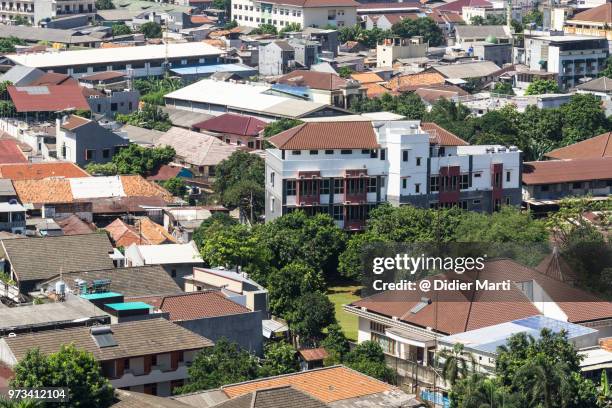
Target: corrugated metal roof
[{"x": 94, "y": 187}]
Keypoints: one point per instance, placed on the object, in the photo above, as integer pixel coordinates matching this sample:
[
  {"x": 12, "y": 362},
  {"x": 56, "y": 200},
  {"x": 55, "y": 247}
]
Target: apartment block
[{"x": 347, "y": 168}]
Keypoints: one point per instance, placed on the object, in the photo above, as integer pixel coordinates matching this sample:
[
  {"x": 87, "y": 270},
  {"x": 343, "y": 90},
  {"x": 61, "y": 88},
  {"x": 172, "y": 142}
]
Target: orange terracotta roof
[
  {"x": 50, "y": 190},
  {"x": 74, "y": 122},
  {"x": 599, "y": 14},
  {"x": 413, "y": 81},
  {"x": 441, "y": 91},
  {"x": 327, "y": 135},
  {"x": 567, "y": 170},
  {"x": 143, "y": 232},
  {"x": 597, "y": 146},
  {"x": 10, "y": 152},
  {"x": 190, "y": 306},
  {"x": 137, "y": 186},
  {"x": 441, "y": 136},
  {"x": 327, "y": 384},
  {"x": 314, "y": 354},
  {"x": 73, "y": 225},
  {"x": 156, "y": 234},
  {"x": 375, "y": 90},
  {"x": 37, "y": 171},
  {"x": 366, "y": 77},
  {"x": 315, "y": 80}
]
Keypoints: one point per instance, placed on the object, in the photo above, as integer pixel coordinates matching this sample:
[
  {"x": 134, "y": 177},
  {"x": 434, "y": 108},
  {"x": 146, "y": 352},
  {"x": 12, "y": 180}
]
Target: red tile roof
[
  {"x": 599, "y": 14},
  {"x": 462, "y": 311},
  {"x": 327, "y": 135},
  {"x": 377, "y": 5},
  {"x": 314, "y": 354},
  {"x": 165, "y": 172},
  {"x": 201, "y": 19},
  {"x": 566, "y": 171},
  {"x": 315, "y": 80},
  {"x": 597, "y": 146},
  {"x": 242, "y": 125},
  {"x": 37, "y": 171},
  {"x": 50, "y": 98},
  {"x": 457, "y": 5},
  {"x": 198, "y": 305},
  {"x": 53, "y": 78},
  {"x": 10, "y": 152},
  {"x": 441, "y": 136},
  {"x": 73, "y": 225},
  {"x": 73, "y": 122}
]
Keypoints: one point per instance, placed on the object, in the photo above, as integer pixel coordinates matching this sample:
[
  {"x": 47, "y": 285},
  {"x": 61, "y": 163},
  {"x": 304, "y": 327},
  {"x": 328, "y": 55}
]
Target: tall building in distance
[{"x": 347, "y": 168}]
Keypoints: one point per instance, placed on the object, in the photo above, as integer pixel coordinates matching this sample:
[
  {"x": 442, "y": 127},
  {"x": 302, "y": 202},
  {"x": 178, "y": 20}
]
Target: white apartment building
[
  {"x": 346, "y": 168},
  {"x": 37, "y": 10},
  {"x": 306, "y": 13}
]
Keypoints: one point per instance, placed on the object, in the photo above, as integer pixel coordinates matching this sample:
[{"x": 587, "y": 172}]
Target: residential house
[
  {"x": 42, "y": 170},
  {"x": 178, "y": 260},
  {"x": 600, "y": 87},
  {"x": 307, "y": 51},
  {"x": 458, "y": 5},
  {"x": 148, "y": 356},
  {"x": 74, "y": 225},
  {"x": 468, "y": 35},
  {"x": 321, "y": 87},
  {"x": 386, "y": 21},
  {"x": 20, "y": 75},
  {"x": 592, "y": 148},
  {"x": 83, "y": 141},
  {"x": 267, "y": 398},
  {"x": 41, "y": 100},
  {"x": 198, "y": 152},
  {"x": 431, "y": 94},
  {"x": 254, "y": 99},
  {"x": 328, "y": 39},
  {"x": 408, "y": 325},
  {"x": 12, "y": 214},
  {"x": 10, "y": 152},
  {"x": 183, "y": 221},
  {"x": 239, "y": 130},
  {"x": 108, "y": 102},
  {"x": 141, "y": 231},
  {"x": 357, "y": 165},
  {"x": 483, "y": 71},
  {"x": 236, "y": 286},
  {"x": 33, "y": 34},
  {"x": 211, "y": 314},
  {"x": 372, "y": 82},
  {"x": 305, "y": 13},
  {"x": 410, "y": 82},
  {"x": 31, "y": 261},
  {"x": 389, "y": 50},
  {"x": 276, "y": 58},
  {"x": 335, "y": 387},
  {"x": 594, "y": 22},
  {"x": 141, "y": 136}
]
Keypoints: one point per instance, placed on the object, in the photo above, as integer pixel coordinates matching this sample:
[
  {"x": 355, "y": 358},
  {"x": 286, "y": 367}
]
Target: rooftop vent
[
  {"x": 419, "y": 306},
  {"x": 513, "y": 149}
]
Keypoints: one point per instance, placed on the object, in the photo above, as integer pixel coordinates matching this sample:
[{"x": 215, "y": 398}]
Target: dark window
[
  {"x": 434, "y": 183},
  {"x": 508, "y": 175},
  {"x": 477, "y": 175},
  {"x": 372, "y": 185},
  {"x": 173, "y": 273},
  {"x": 106, "y": 153},
  {"x": 338, "y": 213},
  {"x": 418, "y": 161},
  {"x": 324, "y": 186},
  {"x": 291, "y": 187},
  {"x": 338, "y": 186},
  {"x": 90, "y": 154},
  {"x": 138, "y": 65},
  {"x": 417, "y": 188},
  {"x": 314, "y": 152},
  {"x": 113, "y": 107},
  {"x": 464, "y": 182},
  {"x": 296, "y": 152},
  {"x": 576, "y": 186},
  {"x": 544, "y": 187},
  {"x": 404, "y": 183},
  {"x": 405, "y": 155},
  {"x": 373, "y": 154},
  {"x": 346, "y": 151},
  {"x": 365, "y": 151},
  {"x": 329, "y": 152},
  {"x": 383, "y": 155}
]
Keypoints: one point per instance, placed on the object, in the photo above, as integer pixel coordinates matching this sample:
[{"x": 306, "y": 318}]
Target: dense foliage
[
  {"x": 7, "y": 45},
  {"x": 152, "y": 90},
  {"x": 542, "y": 86},
  {"x": 369, "y": 358},
  {"x": 151, "y": 30},
  {"x": 423, "y": 26},
  {"x": 406, "y": 104},
  {"x": 120, "y": 29},
  {"x": 71, "y": 368},
  {"x": 281, "y": 125},
  {"x": 176, "y": 186},
  {"x": 149, "y": 117},
  {"x": 134, "y": 160},
  {"x": 104, "y": 5}
]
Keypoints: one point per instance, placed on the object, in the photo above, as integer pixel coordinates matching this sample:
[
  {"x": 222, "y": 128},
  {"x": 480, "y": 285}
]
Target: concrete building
[
  {"x": 346, "y": 168},
  {"x": 594, "y": 22},
  {"x": 139, "y": 61},
  {"x": 306, "y": 13},
  {"x": 83, "y": 141},
  {"x": 390, "y": 49},
  {"x": 571, "y": 57},
  {"x": 37, "y": 11},
  {"x": 276, "y": 58}
]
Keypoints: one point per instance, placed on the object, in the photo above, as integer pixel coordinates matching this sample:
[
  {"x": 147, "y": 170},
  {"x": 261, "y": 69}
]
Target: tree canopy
[
  {"x": 423, "y": 26},
  {"x": 104, "y": 5},
  {"x": 134, "y": 159},
  {"x": 542, "y": 86},
  {"x": 368, "y": 358},
  {"x": 120, "y": 29},
  {"x": 149, "y": 117},
  {"x": 151, "y": 30},
  {"x": 407, "y": 104}
]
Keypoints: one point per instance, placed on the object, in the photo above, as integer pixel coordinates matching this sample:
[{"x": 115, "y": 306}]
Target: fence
[
  {"x": 9, "y": 291},
  {"x": 411, "y": 374}
]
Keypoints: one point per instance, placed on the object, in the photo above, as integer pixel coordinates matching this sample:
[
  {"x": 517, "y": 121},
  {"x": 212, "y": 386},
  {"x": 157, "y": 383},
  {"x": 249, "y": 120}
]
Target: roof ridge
[{"x": 603, "y": 153}]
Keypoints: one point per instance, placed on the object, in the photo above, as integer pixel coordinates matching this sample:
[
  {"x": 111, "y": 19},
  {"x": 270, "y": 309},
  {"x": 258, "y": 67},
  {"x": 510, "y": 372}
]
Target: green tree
[
  {"x": 424, "y": 26},
  {"x": 151, "y": 30},
  {"x": 345, "y": 72},
  {"x": 102, "y": 169},
  {"x": 222, "y": 5},
  {"x": 583, "y": 117},
  {"x": 406, "y": 104},
  {"x": 120, "y": 29},
  {"x": 290, "y": 28},
  {"x": 141, "y": 160},
  {"x": 503, "y": 88},
  {"x": 542, "y": 86},
  {"x": 607, "y": 71},
  {"x": 533, "y": 17},
  {"x": 224, "y": 363},
  {"x": 265, "y": 29},
  {"x": 287, "y": 284},
  {"x": 71, "y": 368},
  {"x": 7, "y": 45},
  {"x": 313, "y": 312},
  {"x": 218, "y": 220},
  {"x": 104, "y": 5},
  {"x": 239, "y": 183},
  {"x": 279, "y": 126},
  {"x": 149, "y": 117},
  {"x": 457, "y": 363},
  {"x": 21, "y": 20},
  {"x": 279, "y": 358},
  {"x": 368, "y": 358},
  {"x": 176, "y": 186},
  {"x": 152, "y": 90},
  {"x": 335, "y": 343}
]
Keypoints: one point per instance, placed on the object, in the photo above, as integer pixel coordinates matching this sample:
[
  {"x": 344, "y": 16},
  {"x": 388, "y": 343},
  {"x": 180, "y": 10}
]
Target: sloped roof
[
  {"x": 53, "y": 78},
  {"x": 48, "y": 98},
  {"x": 366, "y": 77},
  {"x": 441, "y": 136},
  {"x": 74, "y": 121},
  {"x": 313, "y": 79},
  {"x": 599, "y": 14},
  {"x": 198, "y": 305},
  {"x": 164, "y": 172},
  {"x": 132, "y": 399},
  {"x": 10, "y": 152},
  {"x": 103, "y": 76},
  {"x": 313, "y": 354},
  {"x": 276, "y": 397},
  {"x": 457, "y": 6},
  {"x": 567, "y": 170},
  {"x": 317, "y": 3},
  {"x": 327, "y": 135},
  {"x": 37, "y": 171},
  {"x": 73, "y": 225},
  {"x": 326, "y": 384},
  {"x": 554, "y": 266},
  {"x": 232, "y": 123},
  {"x": 468, "y": 70},
  {"x": 482, "y": 31},
  {"x": 43, "y": 258},
  {"x": 196, "y": 148},
  {"x": 597, "y": 146},
  {"x": 601, "y": 84},
  {"x": 409, "y": 82},
  {"x": 137, "y": 338},
  {"x": 432, "y": 93},
  {"x": 143, "y": 232}
]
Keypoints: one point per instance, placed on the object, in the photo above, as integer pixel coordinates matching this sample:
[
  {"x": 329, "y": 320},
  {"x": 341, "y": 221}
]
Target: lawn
[{"x": 342, "y": 295}]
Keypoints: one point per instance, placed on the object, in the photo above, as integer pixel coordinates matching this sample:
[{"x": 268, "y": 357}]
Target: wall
[{"x": 123, "y": 102}]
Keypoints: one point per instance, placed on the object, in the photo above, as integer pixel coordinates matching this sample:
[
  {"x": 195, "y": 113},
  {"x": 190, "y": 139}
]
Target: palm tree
[
  {"x": 542, "y": 382},
  {"x": 456, "y": 363},
  {"x": 24, "y": 403},
  {"x": 604, "y": 398}
]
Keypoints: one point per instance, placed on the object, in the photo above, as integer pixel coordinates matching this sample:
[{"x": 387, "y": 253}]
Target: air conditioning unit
[{"x": 347, "y": 202}]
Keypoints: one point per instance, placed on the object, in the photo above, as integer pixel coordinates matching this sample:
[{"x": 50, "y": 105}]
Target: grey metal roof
[
  {"x": 602, "y": 84},
  {"x": 20, "y": 75},
  {"x": 468, "y": 70},
  {"x": 6, "y": 188},
  {"x": 140, "y": 135},
  {"x": 477, "y": 31},
  {"x": 184, "y": 118},
  {"x": 47, "y": 34}
]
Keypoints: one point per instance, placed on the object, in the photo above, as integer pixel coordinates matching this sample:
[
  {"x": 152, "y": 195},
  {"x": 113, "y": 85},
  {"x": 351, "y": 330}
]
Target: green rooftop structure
[
  {"x": 103, "y": 295},
  {"x": 128, "y": 306}
]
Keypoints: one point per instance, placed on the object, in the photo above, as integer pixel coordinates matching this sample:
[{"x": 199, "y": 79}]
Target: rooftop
[
  {"x": 327, "y": 135},
  {"x": 137, "y": 338},
  {"x": 601, "y": 84},
  {"x": 47, "y": 98},
  {"x": 316, "y": 3},
  {"x": 599, "y": 14},
  {"x": 169, "y": 253},
  {"x": 143, "y": 231},
  {"x": 457, "y": 5},
  {"x": 467, "y": 70},
  {"x": 134, "y": 281},
  {"x": 567, "y": 170},
  {"x": 110, "y": 55},
  {"x": 441, "y": 136},
  {"x": 128, "y": 306},
  {"x": 283, "y": 396},
  {"x": 33, "y": 34},
  {"x": 478, "y": 31},
  {"x": 10, "y": 152},
  {"x": 595, "y": 147},
  {"x": 73, "y": 225},
  {"x": 196, "y": 148},
  {"x": 234, "y": 124},
  {"x": 315, "y": 80}
]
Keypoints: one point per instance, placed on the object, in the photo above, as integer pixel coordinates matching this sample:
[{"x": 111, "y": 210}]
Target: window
[
  {"x": 478, "y": 175},
  {"x": 497, "y": 205},
  {"x": 507, "y": 200},
  {"x": 296, "y": 152},
  {"x": 463, "y": 205},
  {"x": 290, "y": 187},
  {"x": 383, "y": 154},
  {"x": 324, "y": 186},
  {"x": 373, "y": 154},
  {"x": 106, "y": 153},
  {"x": 405, "y": 155},
  {"x": 338, "y": 186},
  {"x": 544, "y": 187},
  {"x": 498, "y": 181},
  {"x": 377, "y": 327},
  {"x": 464, "y": 182},
  {"x": 272, "y": 179},
  {"x": 89, "y": 154},
  {"x": 404, "y": 183},
  {"x": 365, "y": 151},
  {"x": 387, "y": 344},
  {"x": 417, "y": 188},
  {"x": 418, "y": 161},
  {"x": 314, "y": 152},
  {"x": 114, "y": 107},
  {"x": 338, "y": 213},
  {"x": 329, "y": 152},
  {"x": 346, "y": 151},
  {"x": 372, "y": 185},
  {"x": 508, "y": 175},
  {"x": 173, "y": 273},
  {"x": 434, "y": 183},
  {"x": 577, "y": 186},
  {"x": 475, "y": 202},
  {"x": 272, "y": 202},
  {"x": 382, "y": 182}
]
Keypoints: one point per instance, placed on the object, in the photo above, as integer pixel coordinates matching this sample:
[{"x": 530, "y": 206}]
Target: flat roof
[
  {"x": 211, "y": 69},
  {"x": 104, "y": 295},
  {"x": 128, "y": 306},
  {"x": 113, "y": 55}
]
